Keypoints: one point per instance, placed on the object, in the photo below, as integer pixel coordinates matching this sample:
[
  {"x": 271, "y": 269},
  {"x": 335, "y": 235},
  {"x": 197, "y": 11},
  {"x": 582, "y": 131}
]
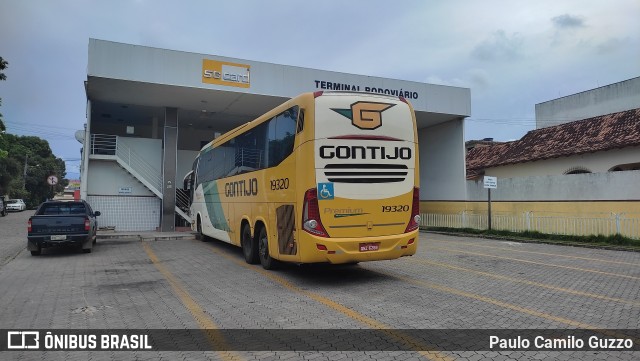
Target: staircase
[{"x": 107, "y": 147}]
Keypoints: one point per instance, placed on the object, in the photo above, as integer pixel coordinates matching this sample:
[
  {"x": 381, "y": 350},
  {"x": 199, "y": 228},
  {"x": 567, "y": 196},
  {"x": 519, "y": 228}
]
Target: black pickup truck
[{"x": 60, "y": 223}]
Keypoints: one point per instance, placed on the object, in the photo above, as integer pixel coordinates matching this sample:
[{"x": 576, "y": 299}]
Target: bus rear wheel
[
  {"x": 249, "y": 246},
  {"x": 267, "y": 262}
]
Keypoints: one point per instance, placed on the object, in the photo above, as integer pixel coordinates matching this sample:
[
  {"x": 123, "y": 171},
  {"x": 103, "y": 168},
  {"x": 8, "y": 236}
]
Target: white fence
[{"x": 625, "y": 225}]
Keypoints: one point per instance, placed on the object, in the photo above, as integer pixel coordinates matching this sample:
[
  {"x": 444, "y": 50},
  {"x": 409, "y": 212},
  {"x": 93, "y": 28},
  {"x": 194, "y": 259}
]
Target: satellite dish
[{"x": 80, "y": 136}]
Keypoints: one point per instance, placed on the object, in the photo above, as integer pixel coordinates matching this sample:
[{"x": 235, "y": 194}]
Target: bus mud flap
[{"x": 285, "y": 222}]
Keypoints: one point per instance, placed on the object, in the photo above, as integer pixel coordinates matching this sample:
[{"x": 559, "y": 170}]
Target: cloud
[
  {"x": 611, "y": 45},
  {"x": 567, "y": 21},
  {"x": 479, "y": 78},
  {"x": 499, "y": 46}
]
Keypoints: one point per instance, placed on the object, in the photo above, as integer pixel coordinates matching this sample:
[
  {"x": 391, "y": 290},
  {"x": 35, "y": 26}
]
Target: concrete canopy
[{"x": 133, "y": 84}]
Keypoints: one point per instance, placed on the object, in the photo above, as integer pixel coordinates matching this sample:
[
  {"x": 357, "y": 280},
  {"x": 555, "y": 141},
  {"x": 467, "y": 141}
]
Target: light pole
[{"x": 24, "y": 174}]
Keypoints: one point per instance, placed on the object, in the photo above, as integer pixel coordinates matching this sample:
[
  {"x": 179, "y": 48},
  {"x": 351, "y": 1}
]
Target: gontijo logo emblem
[
  {"x": 225, "y": 73},
  {"x": 365, "y": 115}
]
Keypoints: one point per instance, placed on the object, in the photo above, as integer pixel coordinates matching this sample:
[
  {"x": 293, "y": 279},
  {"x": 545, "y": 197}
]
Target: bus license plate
[
  {"x": 59, "y": 237},
  {"x": 367, "y": 247}
]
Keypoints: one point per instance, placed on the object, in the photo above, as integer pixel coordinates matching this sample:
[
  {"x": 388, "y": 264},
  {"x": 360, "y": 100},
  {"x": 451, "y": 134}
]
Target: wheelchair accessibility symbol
[{"x": 325, "y": 191}]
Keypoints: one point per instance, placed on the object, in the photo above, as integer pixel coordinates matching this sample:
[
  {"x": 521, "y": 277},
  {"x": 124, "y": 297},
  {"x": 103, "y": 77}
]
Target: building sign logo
[
  {"x": 365, "y": 115},
  {"x": 225, "y": 73}
]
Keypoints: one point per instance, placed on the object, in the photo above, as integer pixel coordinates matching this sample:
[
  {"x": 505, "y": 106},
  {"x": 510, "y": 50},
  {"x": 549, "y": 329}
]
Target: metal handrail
[
  {"x": 182, "y": 200},
  {"x": 137, "y": 162}
]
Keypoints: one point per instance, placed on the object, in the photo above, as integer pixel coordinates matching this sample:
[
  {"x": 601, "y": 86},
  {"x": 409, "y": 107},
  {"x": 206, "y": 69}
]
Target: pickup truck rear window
[{"x": 57, "y": 209}]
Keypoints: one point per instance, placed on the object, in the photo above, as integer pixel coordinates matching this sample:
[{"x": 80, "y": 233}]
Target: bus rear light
[
  {"x": 318, "y": 93},
  {"x": 414, "y": 221},
  {"x": 311, "y": 214}
]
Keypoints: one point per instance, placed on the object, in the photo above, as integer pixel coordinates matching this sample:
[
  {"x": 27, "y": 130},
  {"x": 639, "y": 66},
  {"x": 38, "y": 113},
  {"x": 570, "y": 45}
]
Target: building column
[
  {"x": 169, "y": 165},
  {"x": 154, "y": 128},
  {"x": 86, "y": 151}
]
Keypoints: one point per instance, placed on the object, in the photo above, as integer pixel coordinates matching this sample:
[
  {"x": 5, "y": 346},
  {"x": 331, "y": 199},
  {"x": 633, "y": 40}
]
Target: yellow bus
[{"x": 325, "y": 177}]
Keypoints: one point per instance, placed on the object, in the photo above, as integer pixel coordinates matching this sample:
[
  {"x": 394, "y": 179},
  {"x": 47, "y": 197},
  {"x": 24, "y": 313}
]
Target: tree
[
  {"x": 3, "y": 66},
  {"x": 29, "y": 163}
]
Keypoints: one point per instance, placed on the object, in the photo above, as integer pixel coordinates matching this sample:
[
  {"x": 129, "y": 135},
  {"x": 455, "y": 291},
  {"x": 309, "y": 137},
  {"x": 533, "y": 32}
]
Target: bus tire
[
  {"x": 199, "y": 235},
  {"x": 249, "y": 246},
  {"x": 267, "y": 262}
]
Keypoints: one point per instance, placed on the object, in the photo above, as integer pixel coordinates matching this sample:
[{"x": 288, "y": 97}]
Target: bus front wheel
[
  {"x": 249, "y": 246},
  {"x": 200, "y": 236},
  {"x": 267, "y": 262}
]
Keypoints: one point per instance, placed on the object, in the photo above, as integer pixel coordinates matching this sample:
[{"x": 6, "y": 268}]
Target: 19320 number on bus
[
  {"x": 278, "y": 184},
  {"x": 398, "y": 208}
]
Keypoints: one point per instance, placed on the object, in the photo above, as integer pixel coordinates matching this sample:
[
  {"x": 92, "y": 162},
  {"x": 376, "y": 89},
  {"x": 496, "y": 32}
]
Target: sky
[{"x": 511, "y": 54}]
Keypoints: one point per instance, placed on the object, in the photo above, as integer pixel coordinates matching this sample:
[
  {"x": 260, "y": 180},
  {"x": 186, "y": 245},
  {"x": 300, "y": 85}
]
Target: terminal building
[{"x": 150, "y": 110}]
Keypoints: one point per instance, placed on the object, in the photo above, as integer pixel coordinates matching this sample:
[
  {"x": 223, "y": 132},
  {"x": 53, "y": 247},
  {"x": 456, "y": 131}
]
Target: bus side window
[
  {"x": 300, "y": 121},
  {"x": 281, "y": 136}
]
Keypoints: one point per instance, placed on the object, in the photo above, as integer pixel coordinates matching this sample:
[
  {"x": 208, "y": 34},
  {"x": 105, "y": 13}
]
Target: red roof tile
[{"x": 605, "y": 132}]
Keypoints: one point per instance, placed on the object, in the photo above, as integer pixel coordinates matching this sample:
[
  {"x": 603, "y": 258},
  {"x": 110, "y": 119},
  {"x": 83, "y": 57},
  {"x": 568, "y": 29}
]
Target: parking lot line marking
[
  {"x": 398, "y": 336},
  {"x": 196, "y": 311},
  {"x": 548, "y": 254},
  {"x": 538, "y": 263},
  {"x": 510, "y": 306},
  {"x": 532, "y": 283},
  {"x": 490, "y": 300}
]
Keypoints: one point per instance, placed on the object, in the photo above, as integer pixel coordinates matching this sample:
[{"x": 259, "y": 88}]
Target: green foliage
[
  {"x": 615, "y": 240},
  {"x": 3, "y": 66},
  {"x": 40, "y": 164}
]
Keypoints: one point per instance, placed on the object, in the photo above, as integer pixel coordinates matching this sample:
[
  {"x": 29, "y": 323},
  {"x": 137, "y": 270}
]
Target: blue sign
[{"x": 325, "y": 191}]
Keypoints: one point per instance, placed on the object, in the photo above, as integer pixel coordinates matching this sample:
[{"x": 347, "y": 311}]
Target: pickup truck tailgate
[{"x": 44, "y": 225}]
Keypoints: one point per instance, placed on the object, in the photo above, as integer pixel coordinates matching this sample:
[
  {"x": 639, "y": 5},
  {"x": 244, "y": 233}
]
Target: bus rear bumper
[{"x": 362, "y": 249}]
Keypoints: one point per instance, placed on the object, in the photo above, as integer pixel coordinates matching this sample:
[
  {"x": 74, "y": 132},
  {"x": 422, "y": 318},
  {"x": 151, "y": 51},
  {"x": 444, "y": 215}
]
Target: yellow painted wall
[{"x": 568, "y": 209}]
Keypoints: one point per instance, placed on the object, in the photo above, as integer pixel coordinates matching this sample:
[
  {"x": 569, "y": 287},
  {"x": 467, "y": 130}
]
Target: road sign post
[
  {"x": 490, "y": 183},
  {"x": 52, "y": 180}
]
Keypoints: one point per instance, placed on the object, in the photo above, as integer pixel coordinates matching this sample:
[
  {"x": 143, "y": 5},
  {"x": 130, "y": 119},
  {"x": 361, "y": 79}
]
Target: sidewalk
[{"x": 146, "y": 235}]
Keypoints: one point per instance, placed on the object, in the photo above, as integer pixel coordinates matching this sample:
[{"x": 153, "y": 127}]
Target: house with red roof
[{"x": 606, "y": 143}]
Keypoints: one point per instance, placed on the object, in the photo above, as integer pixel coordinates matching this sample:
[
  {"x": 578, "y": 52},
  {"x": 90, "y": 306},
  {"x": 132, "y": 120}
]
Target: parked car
[
  {"x": 60, "y": 223},
  {"x": 17, "y": 205}
]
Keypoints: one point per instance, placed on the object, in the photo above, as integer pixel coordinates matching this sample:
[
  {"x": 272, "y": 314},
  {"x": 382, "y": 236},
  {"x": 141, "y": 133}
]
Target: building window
[
  {"x": 624, "y": 167},
  {"x": 577, "y": 170}
]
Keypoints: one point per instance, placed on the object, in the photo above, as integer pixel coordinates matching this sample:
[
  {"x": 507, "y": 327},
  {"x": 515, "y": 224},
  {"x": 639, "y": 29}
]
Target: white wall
[
  {"x": 185, "y": 162},
  {"x": 595, "y": 162},
  {"x": 149, "y": 149},
  {"x": 583, "y": 187},
  {"x": 127, "y": 213},
  {"x": 608, "y": 99},
  {"x": 442, "y": 162},
  {"x": 107, "y": 177}
]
